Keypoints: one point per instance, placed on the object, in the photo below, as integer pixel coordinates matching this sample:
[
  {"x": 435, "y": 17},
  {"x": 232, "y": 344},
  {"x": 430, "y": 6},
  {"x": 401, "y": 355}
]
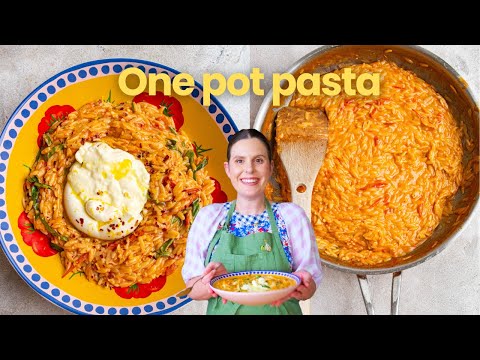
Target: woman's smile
[{"x": 250, "y": 181}]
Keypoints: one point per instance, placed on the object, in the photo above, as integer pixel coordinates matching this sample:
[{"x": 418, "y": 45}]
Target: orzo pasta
[
  {"x": 179, "y": 186},
  {"x": 392, "y": 165}
]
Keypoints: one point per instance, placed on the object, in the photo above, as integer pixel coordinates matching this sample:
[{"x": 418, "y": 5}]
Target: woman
[{"x": 251, "y": 233}]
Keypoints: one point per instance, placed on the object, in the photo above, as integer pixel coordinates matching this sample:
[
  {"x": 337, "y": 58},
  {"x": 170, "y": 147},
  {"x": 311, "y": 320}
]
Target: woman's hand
[
  {"x": 213, "y": 269},
  {"x": 304, "y": 291},
  {"x": 201, "y": 289}
]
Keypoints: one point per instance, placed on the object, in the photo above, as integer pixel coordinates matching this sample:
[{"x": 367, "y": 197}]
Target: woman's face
[{"x": 249, "y": 168}]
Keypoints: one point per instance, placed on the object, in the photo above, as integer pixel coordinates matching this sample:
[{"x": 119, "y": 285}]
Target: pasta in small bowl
[{"x": 253, "y": 288}]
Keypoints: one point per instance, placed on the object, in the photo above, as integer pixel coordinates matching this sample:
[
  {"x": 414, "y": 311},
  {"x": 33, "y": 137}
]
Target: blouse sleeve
[
  {"x": 199, "y": 236},
  {"x": 305, "y": 254}
]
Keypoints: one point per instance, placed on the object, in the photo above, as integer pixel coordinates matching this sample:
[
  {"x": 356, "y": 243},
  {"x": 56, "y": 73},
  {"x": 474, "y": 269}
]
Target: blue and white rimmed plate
[
  {"x": 256, "y": 287},
  {"x": 210, "y": 126}
]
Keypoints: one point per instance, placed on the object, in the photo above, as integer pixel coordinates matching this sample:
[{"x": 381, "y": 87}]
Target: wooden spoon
[{"x": 302, "y": 137}]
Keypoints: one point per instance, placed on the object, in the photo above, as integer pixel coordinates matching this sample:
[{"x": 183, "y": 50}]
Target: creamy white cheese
[{"x": 106, "y": 191}]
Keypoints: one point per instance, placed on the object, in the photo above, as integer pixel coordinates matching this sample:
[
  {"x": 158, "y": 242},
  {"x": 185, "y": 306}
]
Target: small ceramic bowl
[{"x": 257, "y": 287}]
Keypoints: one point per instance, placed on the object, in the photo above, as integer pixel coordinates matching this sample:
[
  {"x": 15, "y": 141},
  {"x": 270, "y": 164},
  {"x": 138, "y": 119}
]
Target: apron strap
[
  {"x": 229, "y": 215},
  {"x": 216, "y": 236},
  {"x": 273, "y": 223}
]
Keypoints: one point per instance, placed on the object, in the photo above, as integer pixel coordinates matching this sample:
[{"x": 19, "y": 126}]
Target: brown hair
[{"x": 248, "y": 134}]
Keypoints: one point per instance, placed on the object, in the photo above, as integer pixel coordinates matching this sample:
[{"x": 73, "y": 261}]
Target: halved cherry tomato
[
  {"x": 52, "y": 113},
  {"x": 26, "y": 228},
  {"x": 136, "y": 291},
  {"x": 24, "y": 222},
  {"x": 125, "y": 292},
  {"x": 178, "y": 120},
  {"x": 27, "y": 235},
  {"x": 41, "y": 244},
  {"x": 218, "y": 195},
  {"x": 58, "y": 111},
  {"x": 142, "y": 292},
  {"x": 218, "y": 187},
  {"x": 139, "y": 291},
  {"x": 155, "y": 100},
  {"x": 173, "y": 106},
  {"x": 156, "y": 284},
  {"x": 43, "y": 125}
]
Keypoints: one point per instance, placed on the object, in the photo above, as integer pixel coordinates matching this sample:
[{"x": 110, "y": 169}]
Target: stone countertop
[{"x": 448, "y": 283}]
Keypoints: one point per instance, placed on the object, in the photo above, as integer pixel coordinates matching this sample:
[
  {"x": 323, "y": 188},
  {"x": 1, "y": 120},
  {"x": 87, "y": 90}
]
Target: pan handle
[{"x": 367, "y": 294}]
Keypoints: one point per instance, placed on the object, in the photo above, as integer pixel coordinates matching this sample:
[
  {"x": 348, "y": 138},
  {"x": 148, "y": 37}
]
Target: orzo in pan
[{"x": 392, "y": 166}]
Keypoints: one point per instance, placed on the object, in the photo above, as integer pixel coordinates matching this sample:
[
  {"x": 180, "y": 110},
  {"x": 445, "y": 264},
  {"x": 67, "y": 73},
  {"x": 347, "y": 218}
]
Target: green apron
[{"x": 259, "y": 251}]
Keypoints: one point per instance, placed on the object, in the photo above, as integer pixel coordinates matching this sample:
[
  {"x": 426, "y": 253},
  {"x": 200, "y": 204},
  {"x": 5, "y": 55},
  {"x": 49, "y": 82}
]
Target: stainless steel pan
[{"x": 453, "y": 88}]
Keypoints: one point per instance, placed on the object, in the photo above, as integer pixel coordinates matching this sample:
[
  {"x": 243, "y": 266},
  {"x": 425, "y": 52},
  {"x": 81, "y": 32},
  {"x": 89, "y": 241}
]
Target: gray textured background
[{"x": 449, "y": 283}]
